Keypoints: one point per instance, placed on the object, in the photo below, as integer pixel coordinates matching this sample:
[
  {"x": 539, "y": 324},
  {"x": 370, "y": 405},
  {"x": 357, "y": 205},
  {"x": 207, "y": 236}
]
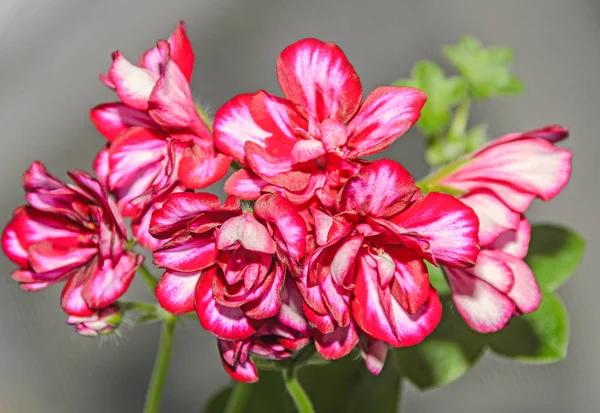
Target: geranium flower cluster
[{"x": 315, "y": 243}]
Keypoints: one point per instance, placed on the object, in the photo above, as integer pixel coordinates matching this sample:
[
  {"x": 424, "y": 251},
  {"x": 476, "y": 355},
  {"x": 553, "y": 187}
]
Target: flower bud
[{"x": 103, "y": 322}]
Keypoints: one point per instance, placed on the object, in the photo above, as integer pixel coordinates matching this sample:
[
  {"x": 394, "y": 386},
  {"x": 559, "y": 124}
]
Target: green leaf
[
  {"x": 341, "y": 386},
  {"x": 538, "y": 337},
  {"x": 445, "y": 355},
  {"x": 554, "y": 254},
  {"x": 437, "y": 278},
  {"x": 442, "y": 94},
  {"x": 476, "y": 138},
  {"x": 486, "y": 70}
]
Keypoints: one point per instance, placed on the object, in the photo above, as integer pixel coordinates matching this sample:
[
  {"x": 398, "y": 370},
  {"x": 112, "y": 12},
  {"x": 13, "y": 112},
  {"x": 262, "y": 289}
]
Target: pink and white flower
[
  {"x": 71, "y": 233},
  {"x": 309, "y": 143},
  {"x": 367, "y": 273},
  {"x": 227, "y": 263},
  {"x": 157, "y": 141}
]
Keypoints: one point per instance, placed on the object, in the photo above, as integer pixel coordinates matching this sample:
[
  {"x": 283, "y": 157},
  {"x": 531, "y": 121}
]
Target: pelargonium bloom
[
  {"x": 276, "y": 339},
  {"x": 157, "y": 140},
  {"x": 367, "y": 273},
  {"x": 226, "y": 262},
  {"x": 517, "y": 167},
  {"x": 70, "y": 233},
  {"x": 308, "y": 143}
]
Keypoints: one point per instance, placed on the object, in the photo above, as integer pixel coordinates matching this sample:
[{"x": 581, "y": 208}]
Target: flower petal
[
  {"x": 13, "y": 248},
  {"x": 180, "y": 209},
  {"x": 291, "y": 231},
  {"x": 495, "y": 217},
  {"x": 246, "y": 230},
  {"x": 175, "y": 291},
  {"x": 337, "y": 344},
  {"x": 110, "y": 280},
  {"x": 202, "y": 167},
  {"x": 449, "y": 226},
  {"x": 525, "y": 292},
  {"x": 515, "y": 243},
  {"x": 483, "y": 307},
  {"x": 244, "y": 184},
  {"x": 374, "y": 353},
  {"x": 181, "y": 50},
  {"x": 319, "y": 78},
  {"x": 270, "y": 303},
  {"x": 224, "y": 322},
  {"x": 111, "y": 119},
  {"x": 187, "y": 253},
  {"x": 384, "y": 116},
  {"x": 244, "y": 372},
  {"x": 378, "y": 190},
  {"x": 133, "y": 84}
]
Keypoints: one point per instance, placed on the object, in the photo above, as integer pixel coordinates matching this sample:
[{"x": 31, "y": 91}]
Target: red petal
[
  {"x": 224, "y": 322},
  {"x": 384, "y": 116},
  {"x": 410, "y": 286},
  {"x": 187, "y": 253},
  {"x": 290, "y": 227},
  {"x": 525, "y": 292},
  {"x": 175, "y": 291},
  {"x": 318, "y": 77},
  {"x": 111, "y": 280},
  {"x": 202, "y": 167},
  {"x": 378, "y": 190},
  {"x": 111, "y": 119},
  {"x": 270, "y": 303},
  {"x": 244, "y": 372},
  {"x": 179, "y": 209},
  {"x": 171, "y": 104},
  {"x": 46, "y": 256},
  {"x": 181, "y": 50},
  {"x": 337, "y": 344},
  {"x": 13, "y": 248},
  {"x": 449, "y": 226}
]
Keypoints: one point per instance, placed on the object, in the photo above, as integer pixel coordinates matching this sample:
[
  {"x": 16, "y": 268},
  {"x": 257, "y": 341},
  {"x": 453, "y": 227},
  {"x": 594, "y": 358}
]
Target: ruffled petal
[
  {"x": 13, "y": 248},
  {"x": 319, "y": 78},
  {"x": 525, "y": 293},
  {"x": 379, "y": 190},
  {"x": 384, "y": 116},
  {"x": 181, "y": 50},
  {"x": 244, "y": 184},
  {"x": 270, "y": 303},
  {"x": 244, "y": 372},
  {"x": 290, "y": 228},
  {"x": 228, "y": 323},
  {"x": 179, "y": 210}
]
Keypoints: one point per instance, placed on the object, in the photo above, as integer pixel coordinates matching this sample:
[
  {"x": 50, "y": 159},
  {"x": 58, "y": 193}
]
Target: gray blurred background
[{"x": 50, "y": 55}]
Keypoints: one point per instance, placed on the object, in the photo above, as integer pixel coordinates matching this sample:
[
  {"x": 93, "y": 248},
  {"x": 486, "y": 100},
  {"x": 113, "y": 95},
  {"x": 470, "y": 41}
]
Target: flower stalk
[
  {"x": 296, "y": 392},
  {"x": 238, "y": 397},
  {"x": 161, "y": 366}
]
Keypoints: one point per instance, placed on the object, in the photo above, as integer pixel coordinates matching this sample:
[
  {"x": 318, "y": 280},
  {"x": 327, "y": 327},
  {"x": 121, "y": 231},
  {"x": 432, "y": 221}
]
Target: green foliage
[
  {"x": 487, "y": 70},
  {"x": 437, "y": 278},
  {"x": 341, "y": 386},
  {"x": 554, "y": 254},
  {"x": 443, "y": 93},
  {"x": 538, "y": 337},
  {"x": 445, "y": 355}
]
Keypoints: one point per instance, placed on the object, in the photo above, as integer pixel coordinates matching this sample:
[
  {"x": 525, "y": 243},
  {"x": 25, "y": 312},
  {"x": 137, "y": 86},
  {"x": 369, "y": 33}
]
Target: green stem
[
  {"x": 161, "y": 366},
  {"x": 238, "y": 398},
  {"x": 141, "y": 307},
  {"x": 147, "y": 277},
  {"x": 458, "y": 127},
  {"x": 297, "y": 393}
]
